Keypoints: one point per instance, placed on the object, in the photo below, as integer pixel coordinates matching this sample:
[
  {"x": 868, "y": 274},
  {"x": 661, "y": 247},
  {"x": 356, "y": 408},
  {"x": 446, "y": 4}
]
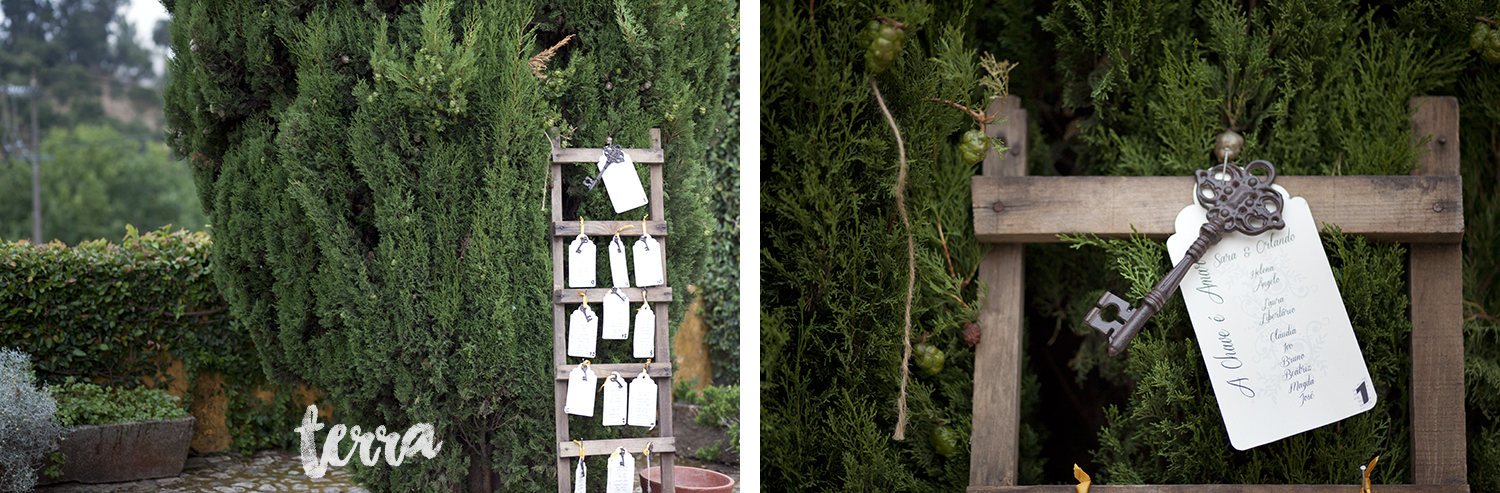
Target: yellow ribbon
[{"x": 580, "y": 444}]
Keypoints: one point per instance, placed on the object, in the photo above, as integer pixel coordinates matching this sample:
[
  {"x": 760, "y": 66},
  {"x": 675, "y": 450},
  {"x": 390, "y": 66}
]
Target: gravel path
[{"x": 268, "y": 470}]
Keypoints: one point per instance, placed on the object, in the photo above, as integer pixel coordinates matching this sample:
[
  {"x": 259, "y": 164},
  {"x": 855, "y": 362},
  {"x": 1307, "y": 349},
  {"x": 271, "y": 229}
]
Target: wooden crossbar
[
  {"x": 605, "y": 447},
  {"x": 1424, "y": 209},
  {"x": 596, "y": 295},
  {"x": 628, "y": 370},
  {"x": 608, "y": 228},
  {"x": 1035, "y": 209}
]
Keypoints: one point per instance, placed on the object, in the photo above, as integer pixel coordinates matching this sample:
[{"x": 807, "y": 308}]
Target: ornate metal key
[
  {"x": 612, "y": 155},
  {"x": 1236, "y": 201}
]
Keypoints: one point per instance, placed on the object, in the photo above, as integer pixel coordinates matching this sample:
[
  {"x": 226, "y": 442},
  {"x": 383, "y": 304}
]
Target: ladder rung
[
  {"x": 662, "y": 445},
  {"x": 607, "y": 228},
  {"x": 627, "y": 370},
  {"x": 587, "y": 155},
  {"x": 596, "y": 295}
]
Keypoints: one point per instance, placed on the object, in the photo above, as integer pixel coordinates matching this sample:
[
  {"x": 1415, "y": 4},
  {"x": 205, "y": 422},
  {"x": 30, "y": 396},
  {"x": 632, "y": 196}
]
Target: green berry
[
  {"x": 944, "y": 441},
  {"x": 1479, "y": 36},
  {"x": 884, "y": 46},
  {"x": 974, "y": 146},
  {"x": 929, "y": 359}
]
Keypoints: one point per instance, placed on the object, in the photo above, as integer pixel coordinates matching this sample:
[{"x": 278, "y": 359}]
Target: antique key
[
  {"x": 612, "y": 155},
  {"x": 1236, "y": 201}
]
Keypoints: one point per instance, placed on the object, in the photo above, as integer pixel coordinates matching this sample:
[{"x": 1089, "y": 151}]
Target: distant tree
[{"x": 95, "y": 183}]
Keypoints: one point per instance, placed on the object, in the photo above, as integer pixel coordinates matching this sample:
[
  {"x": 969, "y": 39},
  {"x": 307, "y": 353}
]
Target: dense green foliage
[
  {"x": 95, "y": 183},
  {"x": 82, "y": 403},
  {"x": 27, "y": 426},
  {"x": 835, "y": 263},
  {"x": 378, "y": 176},
  {"x": 721, "y": 276},
  {"x": 111, "y": 311}
]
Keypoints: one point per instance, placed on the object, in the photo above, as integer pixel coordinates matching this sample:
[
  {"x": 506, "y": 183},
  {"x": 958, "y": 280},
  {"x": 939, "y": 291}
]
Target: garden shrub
[
  {"x": 378, "y": 178},
  {"x": 27, "y": 426},
  {"x": 83, "y": 403},
  {"x": 118, "y": 313}
]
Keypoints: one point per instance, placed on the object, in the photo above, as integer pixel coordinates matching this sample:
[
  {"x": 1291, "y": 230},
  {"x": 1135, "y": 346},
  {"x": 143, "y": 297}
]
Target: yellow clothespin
[
  {"x": 1365, "y": 485},
  {"x": 580, "y": 444},
  {"x": 1083, "y": 479}
]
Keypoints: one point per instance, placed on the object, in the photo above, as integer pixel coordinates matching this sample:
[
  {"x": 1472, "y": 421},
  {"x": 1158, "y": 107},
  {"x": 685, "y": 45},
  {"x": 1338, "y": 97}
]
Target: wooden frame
[
  {"x": 1425, "y": 210},
  {"x": 660, "y": 297}
]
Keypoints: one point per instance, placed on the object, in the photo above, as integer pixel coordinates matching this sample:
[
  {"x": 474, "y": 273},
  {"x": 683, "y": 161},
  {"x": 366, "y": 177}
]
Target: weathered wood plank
[
  {"x": 995, "y": 441},
  {"x": 1437, "y": 348},
  {"x": 591, "y": 155},
  {"x": 607, "y": 228},
  {"x": 1416, "y": 209},
  {"x": 1225, "y": 488},
  {"x": 627, "y": 370},
  {"x": 596, "y": 295},
  {"x": 659, "y": 445}
]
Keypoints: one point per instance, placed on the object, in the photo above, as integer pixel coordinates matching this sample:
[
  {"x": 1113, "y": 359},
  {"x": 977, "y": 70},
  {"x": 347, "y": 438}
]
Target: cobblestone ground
[{"x": 268, "y": 470}]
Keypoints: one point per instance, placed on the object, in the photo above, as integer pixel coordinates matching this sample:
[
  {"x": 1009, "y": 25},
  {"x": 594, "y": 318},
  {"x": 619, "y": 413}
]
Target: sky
[{"x": 143, "y": 14}]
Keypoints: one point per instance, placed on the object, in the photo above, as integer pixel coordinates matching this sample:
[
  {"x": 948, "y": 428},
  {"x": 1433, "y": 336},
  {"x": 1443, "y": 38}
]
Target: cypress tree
[{"x": 377, "y": 175}]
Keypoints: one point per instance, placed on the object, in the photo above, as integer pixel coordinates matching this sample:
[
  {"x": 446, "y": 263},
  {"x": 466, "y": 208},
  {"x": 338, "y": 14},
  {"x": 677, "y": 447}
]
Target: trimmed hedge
[{"x": 115, "y": 313}]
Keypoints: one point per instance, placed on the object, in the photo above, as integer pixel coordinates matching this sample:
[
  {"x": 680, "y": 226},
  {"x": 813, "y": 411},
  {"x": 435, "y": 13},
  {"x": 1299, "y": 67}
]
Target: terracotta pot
[{"x": 689, "y": 480}]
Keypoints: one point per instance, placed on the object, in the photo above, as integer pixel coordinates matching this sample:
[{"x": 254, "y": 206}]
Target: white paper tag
[
  {"x": 619, "y": 269},
  {"x": 581, "y": 262},
  {"x": 580, "y": 400},
  {"x": 616, "y": 315},
  {"x": 642, "y": 401},
  {"x": 616, "y": 402},
  {"x": 645, "y": 332},
  {"x": 583, "y": 328},
  {"x": 1272, "y": 327},
  {"x": 648, "y": 269},
  {"x": 621, "y": 478},
  {"x": 623, "y": 185},
  {"x": 580, "y": 477}
]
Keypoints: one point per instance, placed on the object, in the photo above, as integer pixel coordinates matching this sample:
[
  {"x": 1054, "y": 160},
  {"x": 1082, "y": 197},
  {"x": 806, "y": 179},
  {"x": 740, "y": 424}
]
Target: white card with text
[
  {"x": 622, "y": 184},
  {"x": 581, "y": 263},
  {"x": 621, "y": 475},
  {"x": 616, "y": 402},
  {"x": 1272, "y": 327},
  {"x": 580, "y": 398},
  {"x": 583, "y": 331},
  {"x": 642, "y": 401},
  {"x": 580, "y": 477},
  {"x": 616, "y": 315},
  {"x": 648, "y": 268},
  {"x": 619, "y": 268},
  {"x": 645, "y": 332}
]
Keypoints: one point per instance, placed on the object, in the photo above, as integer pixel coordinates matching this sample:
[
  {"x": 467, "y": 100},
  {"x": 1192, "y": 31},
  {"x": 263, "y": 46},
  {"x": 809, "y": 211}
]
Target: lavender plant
[{"x": 26, "y": 425}]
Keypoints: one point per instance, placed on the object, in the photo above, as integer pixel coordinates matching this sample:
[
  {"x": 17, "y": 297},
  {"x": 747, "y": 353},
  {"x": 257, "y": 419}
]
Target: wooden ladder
[{"x": 660, "y": 296}]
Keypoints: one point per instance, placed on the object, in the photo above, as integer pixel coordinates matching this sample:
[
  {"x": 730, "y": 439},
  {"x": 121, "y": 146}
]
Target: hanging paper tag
[
  {"x": 619, "y": 270},
  {"x": 621, "y": 478},
  {"x": 620, "y": 180},
  {"x": 1277, "y": 341},
  {"x": 580, "y": 477},
  {"x": 616, "y": 315},
  {"x": 580, "y": 400},
  {"x": 643, "y": 401},
  {"x": 648, "y": 269},
  {"x": 615, "y": 400},
  {"x": 581, "y": 261},
  {"x": 583, "y": 328},
  {"x": 645, "y": 332}
]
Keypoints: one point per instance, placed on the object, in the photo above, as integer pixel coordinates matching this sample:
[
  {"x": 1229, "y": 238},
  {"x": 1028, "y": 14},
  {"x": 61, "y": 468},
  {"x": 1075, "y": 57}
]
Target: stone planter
[
  {"x": 689, "y": 480},
  {"x": 125, "y": 451}
]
